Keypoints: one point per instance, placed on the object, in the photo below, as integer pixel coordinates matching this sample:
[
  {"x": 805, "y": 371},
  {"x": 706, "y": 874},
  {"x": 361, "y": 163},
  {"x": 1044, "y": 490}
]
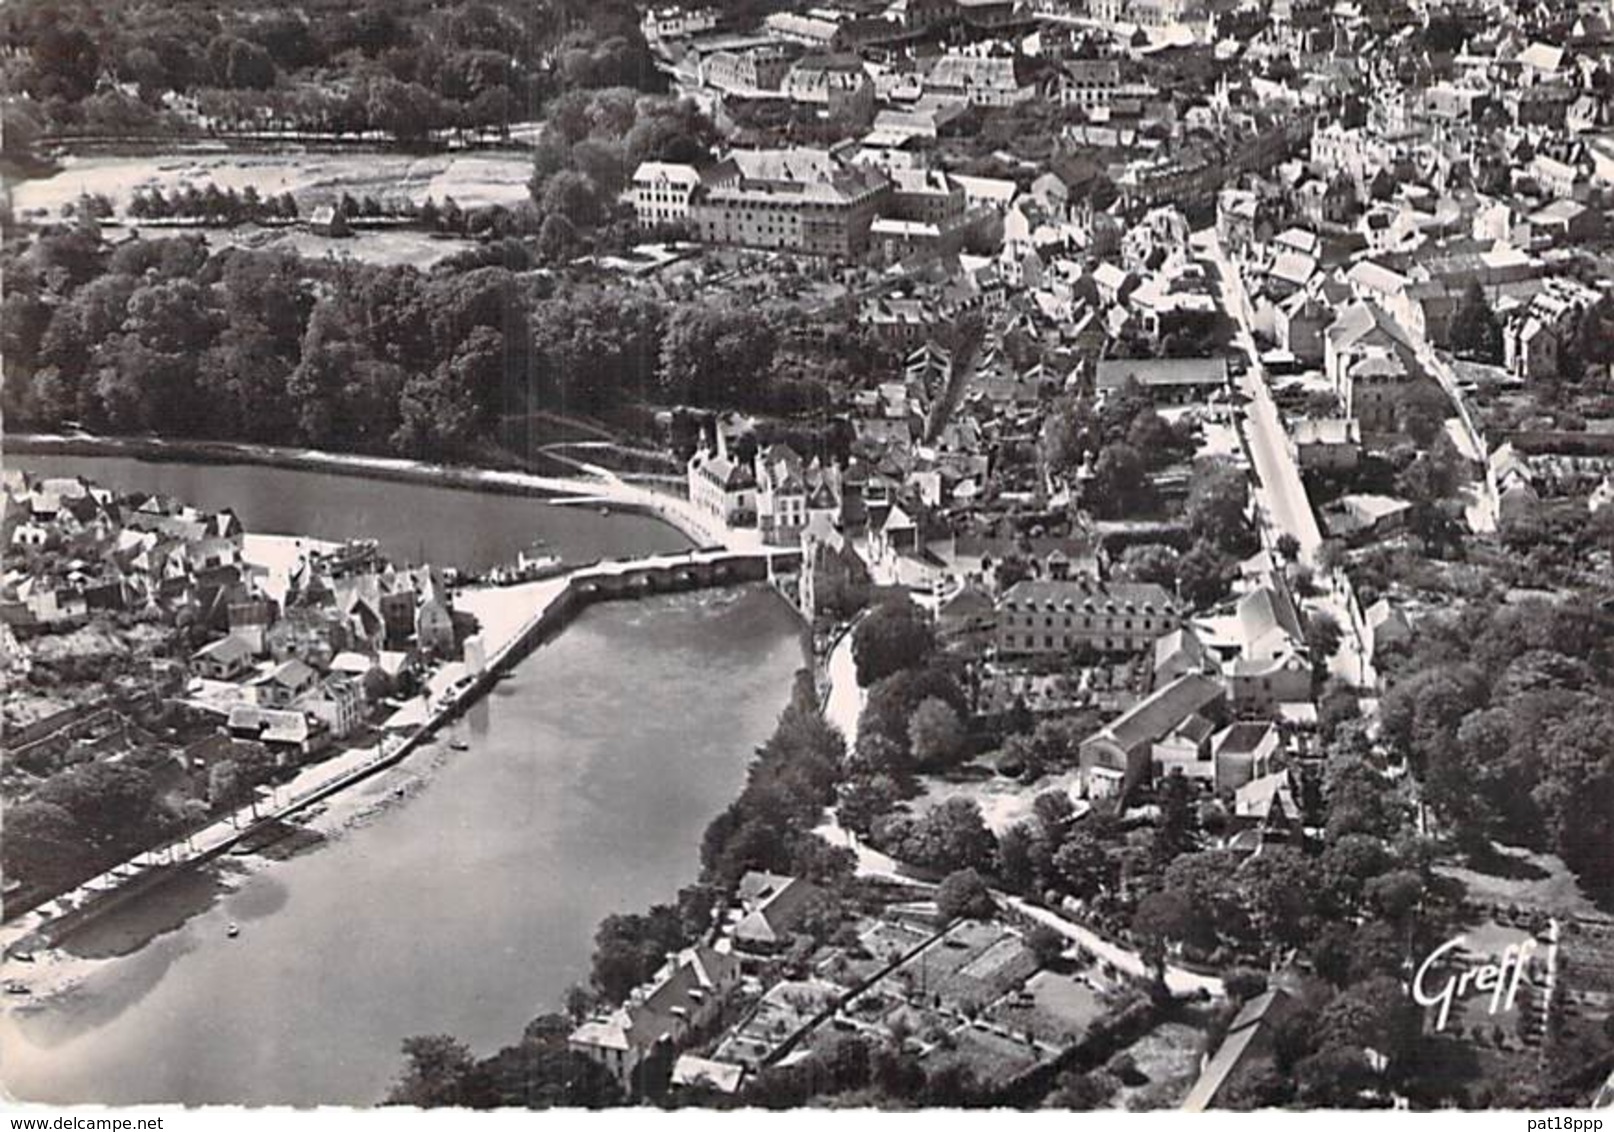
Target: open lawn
[
  {"x": 1167, "y": 1057},
  {"x": 1004, "y": 801},
  {"x": 993, "y": 1057},
  {"x": 1532, "y": 881},
  {"x": 382, "y": 248},
  {"x": 1053, "y": 1007}
]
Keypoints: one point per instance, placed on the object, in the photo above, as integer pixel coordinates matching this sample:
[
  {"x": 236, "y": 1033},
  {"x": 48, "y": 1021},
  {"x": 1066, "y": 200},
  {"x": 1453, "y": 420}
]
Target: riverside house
[{"x": 686, "y": 994}]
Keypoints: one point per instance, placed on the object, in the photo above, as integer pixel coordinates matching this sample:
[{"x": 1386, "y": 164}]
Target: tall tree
[
  {"x": 894, "y": 635},
  {"x": 936, "y": 735},
  {"x": 439, "y": 1071},
  {"x": 1475, "y": 331}
]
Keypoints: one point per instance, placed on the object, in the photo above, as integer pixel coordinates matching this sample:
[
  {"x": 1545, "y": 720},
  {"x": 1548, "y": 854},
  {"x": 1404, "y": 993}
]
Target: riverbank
[
  {"x": 512, "y": 621},
  {"x": 564, "y": 809},
  {"x": 54, "y": 974},
  {"x": 602, "y": 488}
]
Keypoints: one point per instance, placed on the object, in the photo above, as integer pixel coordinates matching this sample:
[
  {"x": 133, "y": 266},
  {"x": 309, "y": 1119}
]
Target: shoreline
[
  {"x": 558, "y": 490},
  {"x": 56, "y": 972},
  {"x": 345, "y": 798},
  {"x": 349, "y": 800}
]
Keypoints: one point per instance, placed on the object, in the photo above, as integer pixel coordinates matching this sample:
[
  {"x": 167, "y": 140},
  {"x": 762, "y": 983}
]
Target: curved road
[{"x": 841, "y": 708}]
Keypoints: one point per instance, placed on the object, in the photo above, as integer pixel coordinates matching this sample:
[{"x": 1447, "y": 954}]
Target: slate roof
[
  {"x": 1157, "y": 715},
  {"x": 1254, "y": 1022}
]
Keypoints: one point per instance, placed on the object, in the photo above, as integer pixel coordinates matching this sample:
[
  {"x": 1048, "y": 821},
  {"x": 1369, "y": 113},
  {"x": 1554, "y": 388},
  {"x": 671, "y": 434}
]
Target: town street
[
  {"x": 1280, "y": 492},
  {"x": 1279, "y": 489},
  {"x": 1480, "y": 508}
]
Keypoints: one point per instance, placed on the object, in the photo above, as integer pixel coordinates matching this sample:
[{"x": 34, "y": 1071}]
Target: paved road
[
  {"x": 844, "y": 704},
  {"x": 1480, "y": 505},
  {"x": 873, "y": 863},
  {"x": 1178, "y": 980},
  {"x": 1280, "y": 491}
]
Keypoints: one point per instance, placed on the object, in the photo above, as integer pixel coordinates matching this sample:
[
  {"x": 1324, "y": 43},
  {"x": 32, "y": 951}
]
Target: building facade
[
  {"x": 662, "y": 191},
  {"x": 1054, "y": 617},
  {"x": 797, "y": 200}
]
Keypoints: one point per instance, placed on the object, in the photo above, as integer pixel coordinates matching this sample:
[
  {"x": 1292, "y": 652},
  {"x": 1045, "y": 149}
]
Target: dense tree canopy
[
  {"x": 406, "y": 67},
  {"x": 894, "y": 635}
]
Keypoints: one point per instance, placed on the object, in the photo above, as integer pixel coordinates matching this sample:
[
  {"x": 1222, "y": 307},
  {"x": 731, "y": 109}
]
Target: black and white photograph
[{"x": 871, "y": 555}]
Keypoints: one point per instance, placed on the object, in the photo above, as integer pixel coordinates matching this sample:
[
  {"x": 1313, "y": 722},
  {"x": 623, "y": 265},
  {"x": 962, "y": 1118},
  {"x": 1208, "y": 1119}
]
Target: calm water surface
[
  {"x": 412, "y": 522},
  {"x": 466, "y": 909}
]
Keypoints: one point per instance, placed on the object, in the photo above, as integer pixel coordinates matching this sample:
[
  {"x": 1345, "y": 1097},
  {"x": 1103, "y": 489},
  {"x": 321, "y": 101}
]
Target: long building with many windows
[
  {"x": 798, "y": 200},
  {"x": 1061, "y": 617}
]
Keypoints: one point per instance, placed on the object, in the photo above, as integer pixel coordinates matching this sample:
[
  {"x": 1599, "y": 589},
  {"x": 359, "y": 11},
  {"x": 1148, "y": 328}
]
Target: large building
[
  {"x": 791, "y": 492},
  {"x": 838, "y": 83},
  {"x": 662, "y": 191},
  {"x": 686, "y": 994},
  {"x": 1147, "y": 13},
  {"x": 1120, "y": 756},
  {"x": 983, "y": 80},
  {"x": 720, "y": 485},
  {"x": 744, "y": 66},
  {"x": 1056, "y": 617},
  {"x": 798, "y": 200},
  {"x": 929, "y": 196},
  {"x": 674, "y": 22},
  {"x": 1089, "y": 83}
]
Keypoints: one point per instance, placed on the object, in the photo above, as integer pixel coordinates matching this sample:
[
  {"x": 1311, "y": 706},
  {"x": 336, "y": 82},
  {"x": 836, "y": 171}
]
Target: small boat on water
[
  {"x": 458, "y": 745},
  {"x": 233, "y": 930}
]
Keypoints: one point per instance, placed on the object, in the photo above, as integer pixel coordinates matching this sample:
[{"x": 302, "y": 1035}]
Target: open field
[
  {"x": 1530, "y": 880},
  {"x": 382, "y": 248},
  {"x": 313, "y": 178}
]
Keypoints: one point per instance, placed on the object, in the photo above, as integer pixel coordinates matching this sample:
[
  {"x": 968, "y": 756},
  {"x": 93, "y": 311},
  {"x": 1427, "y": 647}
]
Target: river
[
  {"x": 413, "y": 522},
  {"x": 466, "y": 908}
]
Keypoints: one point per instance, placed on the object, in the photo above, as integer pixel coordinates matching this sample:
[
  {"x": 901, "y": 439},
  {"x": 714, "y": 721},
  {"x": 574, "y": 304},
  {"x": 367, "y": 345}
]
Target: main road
[
  {"x": 1280, "y": 492},
  {"x": 1279, "y": 489}
]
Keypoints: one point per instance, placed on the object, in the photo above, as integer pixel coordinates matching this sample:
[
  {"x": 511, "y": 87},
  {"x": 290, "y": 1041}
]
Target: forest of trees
[
  {"x": 1506, "y": 713},
  {"x": 405, "y": 68},
  {"x": 164, "y": 336}
]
